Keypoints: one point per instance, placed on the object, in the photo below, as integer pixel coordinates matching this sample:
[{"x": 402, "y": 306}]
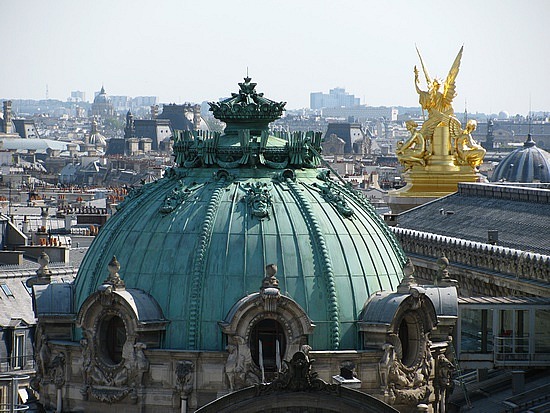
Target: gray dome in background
[{"x": 526, "y": 164}]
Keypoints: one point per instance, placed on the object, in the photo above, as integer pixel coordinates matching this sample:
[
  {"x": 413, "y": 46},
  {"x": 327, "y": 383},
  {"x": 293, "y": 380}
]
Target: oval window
[
  {"x": 409, "y": 335},
  {"x": 113, "y": 337}
]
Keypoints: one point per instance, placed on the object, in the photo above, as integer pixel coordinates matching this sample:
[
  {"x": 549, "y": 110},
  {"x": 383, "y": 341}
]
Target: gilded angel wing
[
  {"x": 455, "y": 128},
  {"x": 426, "y": 74},
  {"x": 449, "y": 91}
]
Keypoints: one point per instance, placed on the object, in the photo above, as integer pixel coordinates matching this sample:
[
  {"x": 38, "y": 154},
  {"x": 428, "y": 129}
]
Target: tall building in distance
[
  {"x": 336, "y": 98},
  {"x": 78, "y": 96}
]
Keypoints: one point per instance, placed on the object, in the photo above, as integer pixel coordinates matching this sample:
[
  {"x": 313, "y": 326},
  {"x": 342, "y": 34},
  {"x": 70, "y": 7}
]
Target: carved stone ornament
[
  {"x": 332, "y": 195},
  {"x": 111, "y": 384},
  {"x": 401, "y": 384},
  {"x": 49, "y": 368},
  {"x": 443, "y": 383},
  {"x": 177, "y": 197},
  {"x": 44, "y": 271},
  {"x": 240, "y": 370},
  {"x": 184, "y": 377},
  {"x": 298, "y": 376},
  {"x": 114, "y": 279},
  {"x": 270, "y": 291},
  {"x": 258, "y": 198}
]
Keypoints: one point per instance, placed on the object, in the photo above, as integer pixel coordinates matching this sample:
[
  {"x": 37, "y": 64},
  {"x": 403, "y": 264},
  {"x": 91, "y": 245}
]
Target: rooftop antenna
[
  {"x": 47, "y": 92},
  {"x": 246, "y": 71}
]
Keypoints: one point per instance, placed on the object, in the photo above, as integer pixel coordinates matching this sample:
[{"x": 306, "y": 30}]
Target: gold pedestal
[{"x": 438, "y": 178}]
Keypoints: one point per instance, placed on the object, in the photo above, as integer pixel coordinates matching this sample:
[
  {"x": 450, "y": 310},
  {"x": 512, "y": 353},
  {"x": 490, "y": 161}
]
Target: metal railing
[
  {"x": 519, "y": 351},
  {"x": 8, "y": 408},
  {"x": 9, "y": 364}
]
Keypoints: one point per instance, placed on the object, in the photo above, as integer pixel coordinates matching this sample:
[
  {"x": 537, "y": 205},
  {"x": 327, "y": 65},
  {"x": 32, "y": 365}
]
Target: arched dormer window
[
  {"x": 262, "y": 328},
  {"x": 118, "y": 324}
]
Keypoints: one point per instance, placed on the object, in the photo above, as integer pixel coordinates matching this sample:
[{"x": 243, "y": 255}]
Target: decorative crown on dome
[{"x": 247, "y": 105}]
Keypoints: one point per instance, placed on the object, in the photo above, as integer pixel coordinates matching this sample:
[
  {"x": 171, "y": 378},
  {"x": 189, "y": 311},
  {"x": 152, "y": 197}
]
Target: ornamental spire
[{"x": 247, "y": 107}]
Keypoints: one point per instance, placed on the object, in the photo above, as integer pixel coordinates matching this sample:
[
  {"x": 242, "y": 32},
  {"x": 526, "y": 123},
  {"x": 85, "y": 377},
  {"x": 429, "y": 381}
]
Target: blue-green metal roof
[
  {"x": 199, "y": 239},
  {"x": 209, "y": 252}
]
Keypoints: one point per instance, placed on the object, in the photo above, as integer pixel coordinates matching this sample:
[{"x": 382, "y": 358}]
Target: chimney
[
  {"x": 7, "y": 116},
  {"x": 492, "y": 236},
  {"x": 197, "y": 117}
]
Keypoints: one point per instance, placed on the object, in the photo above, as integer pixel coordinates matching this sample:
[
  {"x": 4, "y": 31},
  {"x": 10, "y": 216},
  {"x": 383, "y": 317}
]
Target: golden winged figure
[{"x": 433, "y": 99}]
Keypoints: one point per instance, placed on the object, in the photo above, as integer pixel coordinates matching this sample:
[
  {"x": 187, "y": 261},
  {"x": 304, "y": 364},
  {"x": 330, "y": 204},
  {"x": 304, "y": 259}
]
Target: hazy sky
[{"x": 183, "y": 50}]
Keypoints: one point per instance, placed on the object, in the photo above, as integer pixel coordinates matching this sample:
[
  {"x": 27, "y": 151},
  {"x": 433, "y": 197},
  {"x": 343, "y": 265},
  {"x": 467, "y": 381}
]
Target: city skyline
[{"x": 199, "y": 51}]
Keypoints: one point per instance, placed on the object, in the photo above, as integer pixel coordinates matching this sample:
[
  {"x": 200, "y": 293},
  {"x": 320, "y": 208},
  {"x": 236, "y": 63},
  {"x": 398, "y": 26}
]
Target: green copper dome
[{"x": 198, "y": 240}]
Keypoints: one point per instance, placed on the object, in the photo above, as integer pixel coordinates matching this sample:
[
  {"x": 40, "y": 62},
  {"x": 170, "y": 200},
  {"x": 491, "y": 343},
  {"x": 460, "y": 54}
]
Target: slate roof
[
  {"x": 520, "y": 215},
  {"x": 15, "y": 296}
]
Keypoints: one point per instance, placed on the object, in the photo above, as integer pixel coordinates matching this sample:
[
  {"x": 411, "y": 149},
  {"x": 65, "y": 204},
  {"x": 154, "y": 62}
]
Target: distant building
[
  {"x": 156, "y": 131},
  {"x": 78, "y": 96},
  {"x": 183, "y": 117},
  {"x": 144, "y": 101},
  {"x": 337, "y": 97},
  {"x": 121, "y": 103},
  {"x": 26, "y": 128},
  {"x": 7, "y": 128},
  {"x": 362, "y": 113},
  {"x": 526, "y": 164},
  {"x": 102, "y": 105},
  {"x": 508, "y": 131},
  {"x": 355, "y": 139}
]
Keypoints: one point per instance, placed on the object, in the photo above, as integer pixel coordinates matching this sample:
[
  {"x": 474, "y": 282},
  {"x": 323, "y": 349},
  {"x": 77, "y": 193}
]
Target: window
[
  {"x": 6, "y": 290},
  {"x": 4, "y": 396},
  {"x": 29, "y": 289},
  {"x": 268, "y": 344},
  {"x": 409, "y": 335},
  {"x": 18, "y": 352},
  {"x": 476, "y": 330},
  {"x": 112, "y": 338}
]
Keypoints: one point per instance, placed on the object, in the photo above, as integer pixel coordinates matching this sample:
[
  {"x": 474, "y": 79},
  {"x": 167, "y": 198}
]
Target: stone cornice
[{"x": 494, "y": 258}]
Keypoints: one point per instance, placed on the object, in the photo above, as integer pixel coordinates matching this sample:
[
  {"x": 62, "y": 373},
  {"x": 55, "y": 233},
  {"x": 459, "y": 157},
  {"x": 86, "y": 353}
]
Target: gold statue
[
  {"x": 433, "y": 100},
  {"x": 438, "y": 105},
  {"x": 468, "y": 151},
  {"x": 441, "y": 153},
  {"x": 413, "y": 150}
]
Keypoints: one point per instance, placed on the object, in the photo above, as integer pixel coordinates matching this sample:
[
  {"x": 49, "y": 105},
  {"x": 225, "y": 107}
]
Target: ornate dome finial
[
  {"x": 114, "y": 277},
  {"x": 529, "y": 143},
  {"x": 247, "y": 106}
]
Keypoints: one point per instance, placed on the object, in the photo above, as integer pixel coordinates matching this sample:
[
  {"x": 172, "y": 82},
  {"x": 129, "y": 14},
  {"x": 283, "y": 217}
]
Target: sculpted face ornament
[{"x": 258, "y": 198}]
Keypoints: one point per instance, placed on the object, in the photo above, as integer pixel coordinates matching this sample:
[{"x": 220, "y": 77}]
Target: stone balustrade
[{"x": 507, "y": 261}]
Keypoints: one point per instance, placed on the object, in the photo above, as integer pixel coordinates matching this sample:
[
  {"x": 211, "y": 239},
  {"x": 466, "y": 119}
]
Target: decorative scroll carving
[{"x": 109, "y": 395}]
